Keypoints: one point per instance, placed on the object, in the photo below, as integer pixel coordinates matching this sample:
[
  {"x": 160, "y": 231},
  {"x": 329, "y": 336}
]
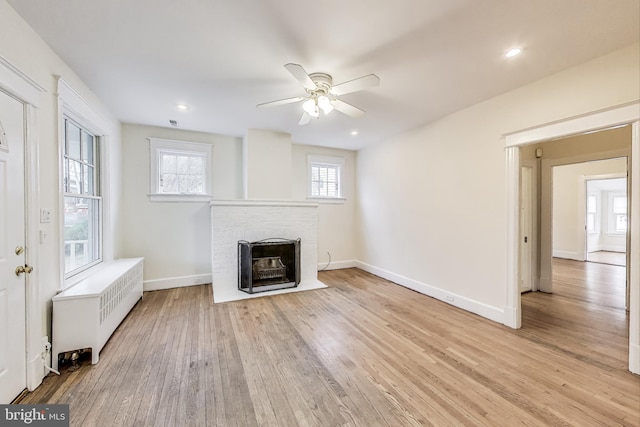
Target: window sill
[
  {"x": 172, "y": 198},
  {"x": 328, "y": 200},
  {"x": 82, "y": 274}
]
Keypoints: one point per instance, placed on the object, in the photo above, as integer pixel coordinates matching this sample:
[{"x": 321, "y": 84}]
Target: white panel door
[{"x": 12, "y": 255}]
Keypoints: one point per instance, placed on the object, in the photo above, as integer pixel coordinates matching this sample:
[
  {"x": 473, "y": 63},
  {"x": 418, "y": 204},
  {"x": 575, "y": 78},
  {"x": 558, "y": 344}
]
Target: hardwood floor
[{"x": 363, "y": 352}]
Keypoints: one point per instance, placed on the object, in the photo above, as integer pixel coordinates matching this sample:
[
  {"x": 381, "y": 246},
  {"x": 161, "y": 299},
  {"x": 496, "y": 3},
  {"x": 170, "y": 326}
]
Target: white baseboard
[
  {"x": 512, "y": 317},
  {"x": 634, "y": 358},
  {"x": 613, "y": 248},
  {"x": 467, "y": 304},
  {"x": 568, "y": 255},
  {"x": 337, "y": 265},
  {"x": 176, "y": 282}
]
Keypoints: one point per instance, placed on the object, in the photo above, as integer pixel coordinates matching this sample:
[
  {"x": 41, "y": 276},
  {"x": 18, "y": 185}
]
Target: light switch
[
  {"x": 45, "y": 215},
  {"x": 43, "y": 236}
]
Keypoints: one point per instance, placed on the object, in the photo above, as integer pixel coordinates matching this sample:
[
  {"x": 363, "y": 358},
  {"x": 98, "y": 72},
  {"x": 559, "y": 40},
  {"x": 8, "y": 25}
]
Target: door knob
[{"x": 23, "y": 269}]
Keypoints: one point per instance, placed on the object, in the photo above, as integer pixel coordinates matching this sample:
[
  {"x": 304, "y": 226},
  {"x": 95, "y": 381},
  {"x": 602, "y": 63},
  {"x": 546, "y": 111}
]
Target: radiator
[{"x": 87, "y": 314}]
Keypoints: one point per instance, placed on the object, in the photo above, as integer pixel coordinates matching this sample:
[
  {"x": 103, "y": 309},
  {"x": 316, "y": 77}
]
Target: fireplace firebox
[{"x": 268, "y": 265}]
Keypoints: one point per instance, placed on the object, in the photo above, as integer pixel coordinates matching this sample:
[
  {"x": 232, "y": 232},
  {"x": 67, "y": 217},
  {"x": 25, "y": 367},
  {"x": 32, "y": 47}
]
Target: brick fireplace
[{"x": 235, "y": 221}]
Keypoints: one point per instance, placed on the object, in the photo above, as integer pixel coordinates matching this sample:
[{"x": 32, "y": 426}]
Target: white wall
[
  {"x": 432, "y": 202},
  {"x": 174, "y": 237},
  {"x": 569, "y": 205},
  {"x": 336, "y": 220},
  {"x": 266, "y": 165},
  {"x": 21, "y": 47}
]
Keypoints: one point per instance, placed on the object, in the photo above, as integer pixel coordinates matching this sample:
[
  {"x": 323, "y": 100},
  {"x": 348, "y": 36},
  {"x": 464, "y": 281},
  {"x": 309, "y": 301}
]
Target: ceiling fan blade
[
  {"x": 301, "y": 75},
  {"x": 355, "y": 85},
  {"x": 347, "y": 109},
  {"x": 281, "y": 102},
  {"x": 305, "y": 119}
]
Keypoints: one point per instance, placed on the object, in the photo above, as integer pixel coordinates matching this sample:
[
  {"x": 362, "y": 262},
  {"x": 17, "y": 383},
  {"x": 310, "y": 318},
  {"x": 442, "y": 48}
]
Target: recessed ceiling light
[
  {"x": 354, "y": 132},
  {"x": 513, "y": 52},
  {"x": 182, "y": 107}
]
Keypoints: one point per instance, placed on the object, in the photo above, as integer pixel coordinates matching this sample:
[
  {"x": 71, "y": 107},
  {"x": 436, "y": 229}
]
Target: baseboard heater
[{"x": 87, "y": 314}]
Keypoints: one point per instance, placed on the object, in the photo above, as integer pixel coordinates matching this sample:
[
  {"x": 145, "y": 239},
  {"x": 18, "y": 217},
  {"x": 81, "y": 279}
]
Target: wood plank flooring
[{"x": 363, "y": 352}]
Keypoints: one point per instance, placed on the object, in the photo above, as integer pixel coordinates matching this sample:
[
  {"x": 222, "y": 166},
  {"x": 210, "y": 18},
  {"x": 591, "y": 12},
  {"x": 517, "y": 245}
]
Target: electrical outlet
[{"x": 46, "y": 345}]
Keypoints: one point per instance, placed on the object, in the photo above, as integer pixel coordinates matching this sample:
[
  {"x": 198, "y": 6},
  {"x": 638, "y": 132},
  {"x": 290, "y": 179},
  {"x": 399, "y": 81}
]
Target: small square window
[
  {"x": 325, "y": 177},
  {"x": 181, "y": 169}
]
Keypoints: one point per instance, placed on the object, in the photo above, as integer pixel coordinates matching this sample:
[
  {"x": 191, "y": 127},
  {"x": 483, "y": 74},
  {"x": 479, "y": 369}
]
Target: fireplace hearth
[{"x": 268, "y": 265}]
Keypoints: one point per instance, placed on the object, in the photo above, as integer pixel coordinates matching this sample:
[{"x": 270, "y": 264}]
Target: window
[
  {"x": 619, "y": 213},
  {"x": 592, "y": 210},
  {"x": 82, "y": 198},
  {"x": 179, "y": 170},
  {"x": 325, "y": 177}
]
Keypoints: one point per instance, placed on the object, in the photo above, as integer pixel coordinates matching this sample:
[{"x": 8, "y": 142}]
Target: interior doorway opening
[
  {"x": 518, "y": 146},
  {"x": 590, "y": 225}
]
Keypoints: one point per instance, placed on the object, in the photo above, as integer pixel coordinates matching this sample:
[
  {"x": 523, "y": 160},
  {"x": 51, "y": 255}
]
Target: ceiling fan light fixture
[
  {"x": 325, "y": 104},
  {"x": 311, "y": 107}
]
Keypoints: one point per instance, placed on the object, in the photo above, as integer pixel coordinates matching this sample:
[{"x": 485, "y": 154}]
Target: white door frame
[
  {"x": 626, "y": 114},
  {"x": 527, "y": 229},
  {"x": 21, "y": 86}
]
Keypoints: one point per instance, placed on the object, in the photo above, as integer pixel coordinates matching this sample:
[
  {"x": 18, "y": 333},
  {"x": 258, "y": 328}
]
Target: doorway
[
  {"x": 589, "y": 224},
  {"x": 627, "y": 115},
  {"x": 13, "y": 355},
  {"x": 21, "y": 97}
]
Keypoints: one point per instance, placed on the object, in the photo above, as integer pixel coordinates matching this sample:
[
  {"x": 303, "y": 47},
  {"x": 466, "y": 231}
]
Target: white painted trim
[
  {"x": 609, "y": 118},
  {"x": 568, "y": 255},
  {"x": 73, "y": 105},
  {"x": 35, "y": 366},
  {"x": 328, "y": 200},
  {"x": 337, "y": 265},
  {"x": 634, "y": 252},
  {"x": 176, "y": 282},
  {"x": 21, "y": 86},
  {"x": 492, "y": 313},
  {"x": 158, "y": 145},
  {"x": 178, "y": 198},
  {"x": 337, "y": 162},
  {"x": 626, "y": 114},
  {"x": 283, "y": 203},
  {"x": 615, "y": 248},
  {"x": 512, "y": 308}
]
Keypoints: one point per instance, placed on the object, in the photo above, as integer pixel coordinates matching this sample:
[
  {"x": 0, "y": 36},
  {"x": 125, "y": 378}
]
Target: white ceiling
[{"x": 222, "y": 58}]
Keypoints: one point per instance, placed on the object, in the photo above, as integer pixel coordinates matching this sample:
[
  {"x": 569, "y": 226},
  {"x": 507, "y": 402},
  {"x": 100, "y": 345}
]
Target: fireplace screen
[{"x": 268, "y": 265}]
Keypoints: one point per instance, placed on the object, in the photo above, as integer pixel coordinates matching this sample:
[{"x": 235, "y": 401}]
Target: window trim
[
  {"x": 339, "y": 163},
  {"x": 156, "y": 146},
  {"x": 98, "y": 166},
  {"x": 611, "y": 214},
  {"x": 71, "y": 105}
]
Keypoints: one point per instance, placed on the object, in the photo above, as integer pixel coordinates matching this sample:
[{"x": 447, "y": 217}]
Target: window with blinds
[{"x": 325, "y": 177}]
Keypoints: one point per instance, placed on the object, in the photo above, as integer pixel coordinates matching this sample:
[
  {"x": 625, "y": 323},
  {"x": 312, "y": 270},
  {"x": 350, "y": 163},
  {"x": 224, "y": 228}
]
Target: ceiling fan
[{"x": 322, "y": 95}]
